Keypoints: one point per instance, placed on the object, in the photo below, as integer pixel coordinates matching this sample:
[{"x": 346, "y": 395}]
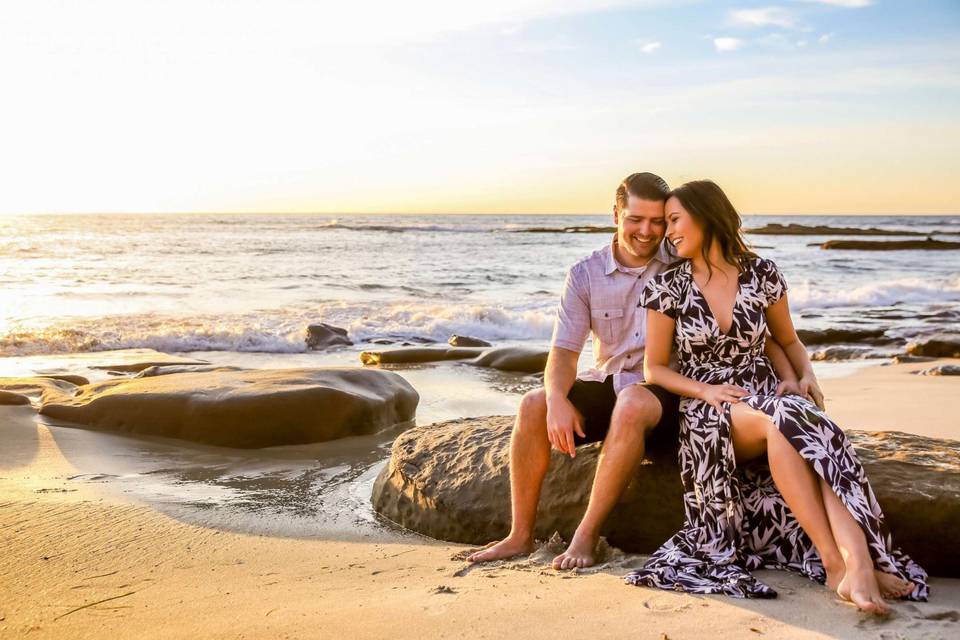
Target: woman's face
[{"x": 683, "y": 232}]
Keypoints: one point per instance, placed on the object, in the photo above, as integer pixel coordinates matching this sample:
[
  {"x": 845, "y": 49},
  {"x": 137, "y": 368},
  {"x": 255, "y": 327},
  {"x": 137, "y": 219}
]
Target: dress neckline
[{"x": 706, "y": 303}]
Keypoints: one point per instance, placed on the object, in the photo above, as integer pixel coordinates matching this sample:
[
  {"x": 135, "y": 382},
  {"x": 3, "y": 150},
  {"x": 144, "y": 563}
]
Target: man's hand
[
  {"x": 789, "y": 387},
  {"x": 562, "y": 421},
  {"x": 810, "y": 388}
]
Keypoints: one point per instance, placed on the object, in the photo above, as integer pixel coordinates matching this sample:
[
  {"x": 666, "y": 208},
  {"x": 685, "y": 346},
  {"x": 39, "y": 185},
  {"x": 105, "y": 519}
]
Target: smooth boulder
[
  {"x": 519, "y": 359},
  {"x": 451, "y": 481},
  {"x": 322, "y": 336},
  {"x": 243, "y": 409}
]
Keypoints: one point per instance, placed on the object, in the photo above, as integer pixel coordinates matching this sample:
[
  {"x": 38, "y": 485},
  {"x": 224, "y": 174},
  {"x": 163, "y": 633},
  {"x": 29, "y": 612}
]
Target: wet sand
[{"x": 106, "y": 535}]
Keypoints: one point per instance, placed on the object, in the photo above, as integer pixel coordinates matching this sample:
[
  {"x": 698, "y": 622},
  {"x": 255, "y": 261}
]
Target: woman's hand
[
  {"x": 810, "y": 389},
  {"x": 789, "y": 387},
  {"x": 716, "y": 394}
]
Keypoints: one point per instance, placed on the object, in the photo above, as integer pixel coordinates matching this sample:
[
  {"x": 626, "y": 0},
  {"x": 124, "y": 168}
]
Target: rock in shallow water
[
  {"x": 321, "y": 336},
  {"x": 244, "y": 409},
  {"x": 520, "y": 359},
  {"x": 467, "y": 341},
  {"x": 451, "y": 481},
  {"x": 418, "y": 355}
]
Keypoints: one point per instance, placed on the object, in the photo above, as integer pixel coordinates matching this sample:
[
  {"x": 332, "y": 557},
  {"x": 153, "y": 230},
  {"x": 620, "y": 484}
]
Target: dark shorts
[{"x": 595, "y": 402}]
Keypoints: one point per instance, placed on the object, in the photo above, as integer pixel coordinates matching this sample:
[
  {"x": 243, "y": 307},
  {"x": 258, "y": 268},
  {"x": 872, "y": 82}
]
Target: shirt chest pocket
[{"x": 608, "y": 324}]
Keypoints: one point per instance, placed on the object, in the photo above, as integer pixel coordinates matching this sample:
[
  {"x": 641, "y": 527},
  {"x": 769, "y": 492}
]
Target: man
[{"x": 609, "y": 402}]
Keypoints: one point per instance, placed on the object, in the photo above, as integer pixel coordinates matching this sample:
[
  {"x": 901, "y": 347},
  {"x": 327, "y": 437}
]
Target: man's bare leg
[
  {"x": 637, "y": 411},
  {"x": 529, "y": 459}
]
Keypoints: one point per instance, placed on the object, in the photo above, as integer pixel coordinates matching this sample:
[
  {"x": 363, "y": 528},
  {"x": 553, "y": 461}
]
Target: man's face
[{"x": 640, "y": 227}]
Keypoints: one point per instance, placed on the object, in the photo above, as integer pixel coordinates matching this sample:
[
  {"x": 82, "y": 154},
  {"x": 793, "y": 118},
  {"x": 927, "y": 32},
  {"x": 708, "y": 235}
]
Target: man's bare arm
[{"x": 562, "y": 417}]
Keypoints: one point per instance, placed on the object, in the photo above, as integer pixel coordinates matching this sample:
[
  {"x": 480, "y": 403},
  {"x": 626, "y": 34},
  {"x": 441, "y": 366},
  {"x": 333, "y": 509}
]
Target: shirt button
[
  {"x": 637, "y": 334},
  {"x": 628, "y": 357},
  {"x": 606, "y": 315}
]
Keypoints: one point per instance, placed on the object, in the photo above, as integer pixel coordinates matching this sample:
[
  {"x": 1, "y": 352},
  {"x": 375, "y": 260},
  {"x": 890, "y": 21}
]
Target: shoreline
[{"x": 71, "y": 543}]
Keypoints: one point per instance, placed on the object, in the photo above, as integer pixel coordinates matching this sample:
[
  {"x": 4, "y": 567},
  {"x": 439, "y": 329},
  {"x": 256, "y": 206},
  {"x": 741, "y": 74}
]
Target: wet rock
[
  {"x": 466, "y": 341},
  {"x": 147, "y": 358},
  {"x": 149, "y": 372},
  {"x": 11, "y": 398},
  {"x": 891, "y": 245},
  {"x": 418, "y": 354},
  {"x": 451, "y": 481},
  {"x": 34, "y": 387},
  {"x": 521, "y": 359},
  {"x": 323, "y": 336},
  {"x": 834, "y": 336},
  {"x": 72, "y": 379},
  {"x": 245, "y": 409},
  {"x": 941, "y": 370},
  {"x": 942, "y": 347},
  {"x": 835, "y": 352},
  {"x": 902, "y": 359}
]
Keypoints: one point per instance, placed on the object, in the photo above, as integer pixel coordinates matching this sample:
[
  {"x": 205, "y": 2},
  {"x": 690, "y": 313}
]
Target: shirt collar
[{"x": 664, "y": 254}]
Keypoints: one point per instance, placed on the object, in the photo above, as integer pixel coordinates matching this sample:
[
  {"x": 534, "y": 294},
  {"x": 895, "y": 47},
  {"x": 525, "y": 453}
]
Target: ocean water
[{"x": 252, "y": 283}]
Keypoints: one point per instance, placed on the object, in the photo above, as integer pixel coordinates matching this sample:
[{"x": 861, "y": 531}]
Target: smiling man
[{"x": 609, "y": 401}]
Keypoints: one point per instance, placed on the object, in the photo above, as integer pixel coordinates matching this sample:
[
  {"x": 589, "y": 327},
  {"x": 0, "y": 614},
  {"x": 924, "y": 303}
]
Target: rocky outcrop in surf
[
  {"x": 892, "y": 245},
  {"x": 451, "y": 481},
  {"x": 243, "y": 409},
  {"x": 323, "y": 336},
  {"x": 794, "y": 229},
  {"x": 467, "y": 341}
]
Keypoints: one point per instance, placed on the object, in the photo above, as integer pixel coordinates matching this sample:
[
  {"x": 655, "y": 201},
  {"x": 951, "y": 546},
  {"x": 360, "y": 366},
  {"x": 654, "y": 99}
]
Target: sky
[{"x": 501, "y": 106}]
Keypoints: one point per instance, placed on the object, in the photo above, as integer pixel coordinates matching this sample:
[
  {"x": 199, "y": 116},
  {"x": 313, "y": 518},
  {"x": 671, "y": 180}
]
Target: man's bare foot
[
  {"x": 860, "y": 587},
  {"x": 506, "y": 548},
  {"x": 892, "y": 586},
  {"x": 579, "y": 554}
]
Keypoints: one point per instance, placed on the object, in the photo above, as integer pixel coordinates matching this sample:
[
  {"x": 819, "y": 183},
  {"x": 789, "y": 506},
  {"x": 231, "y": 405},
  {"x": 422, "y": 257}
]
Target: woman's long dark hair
[{"x": 709, "y": 206}]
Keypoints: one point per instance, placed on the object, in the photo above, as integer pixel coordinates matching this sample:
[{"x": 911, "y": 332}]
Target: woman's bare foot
[
  {"x": 506, "y": 548},
  {"x": 860, "y": 587},
  {"x": 892, "y": 586},
  {"x": 835, "y": 573},
  {"x": 579, "y": 554}
]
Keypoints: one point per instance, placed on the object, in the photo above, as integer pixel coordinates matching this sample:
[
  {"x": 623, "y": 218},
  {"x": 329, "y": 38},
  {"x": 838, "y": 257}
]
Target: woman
[{"x": 768, "y": 481}]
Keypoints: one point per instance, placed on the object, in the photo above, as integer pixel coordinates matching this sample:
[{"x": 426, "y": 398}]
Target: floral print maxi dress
[{"x": 735, "y": 518}]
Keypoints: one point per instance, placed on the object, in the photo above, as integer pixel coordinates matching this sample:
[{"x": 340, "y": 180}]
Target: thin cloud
[
  {"x": 728, "y": 44},
  {"x": 764, "y": 17},
  {"x": 849, "y": 4},
  {"x": 649, "y": 46},
  {"x": 825, "y": 38}
]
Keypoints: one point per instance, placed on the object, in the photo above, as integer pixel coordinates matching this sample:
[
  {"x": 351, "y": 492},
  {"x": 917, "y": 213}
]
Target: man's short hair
[{"x": 646, "y": 186}]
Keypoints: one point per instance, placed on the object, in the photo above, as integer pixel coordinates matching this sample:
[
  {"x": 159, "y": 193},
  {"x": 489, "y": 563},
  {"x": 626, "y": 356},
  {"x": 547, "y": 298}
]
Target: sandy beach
[{"x": 84, "y": 560}]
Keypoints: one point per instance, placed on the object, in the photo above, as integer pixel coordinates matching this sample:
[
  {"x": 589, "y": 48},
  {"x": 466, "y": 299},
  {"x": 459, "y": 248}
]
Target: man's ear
[{"x": 616, "y": 216}]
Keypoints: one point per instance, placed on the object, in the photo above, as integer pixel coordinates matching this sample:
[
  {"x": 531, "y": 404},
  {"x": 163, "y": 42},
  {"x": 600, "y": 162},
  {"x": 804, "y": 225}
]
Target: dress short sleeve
[
  {"x": 659, "y": 295},
  {"x": 771, "y": 280}
]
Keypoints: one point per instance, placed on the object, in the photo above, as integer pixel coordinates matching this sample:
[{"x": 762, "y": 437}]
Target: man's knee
[
  {"x": 637, "y": 410},
  {"x": 533, "y": 409}
]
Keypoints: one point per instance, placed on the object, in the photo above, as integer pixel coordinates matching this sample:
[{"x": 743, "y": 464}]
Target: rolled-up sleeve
[{"x": 572, "y": 326}]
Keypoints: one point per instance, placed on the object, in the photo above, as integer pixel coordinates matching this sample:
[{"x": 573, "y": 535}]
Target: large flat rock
[
  {"x": 244, "y": 409},
  {"x": 451, "y": 481}
]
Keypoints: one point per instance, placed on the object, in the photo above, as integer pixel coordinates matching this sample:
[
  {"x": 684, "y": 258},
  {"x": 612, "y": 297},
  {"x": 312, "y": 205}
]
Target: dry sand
[{"x": 80, "y": 563}]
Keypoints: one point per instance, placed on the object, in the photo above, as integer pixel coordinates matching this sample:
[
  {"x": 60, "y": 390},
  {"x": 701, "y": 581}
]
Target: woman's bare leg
[
  {"x": 856, "y": 556},
  {"x": 753, "y": 430}
]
